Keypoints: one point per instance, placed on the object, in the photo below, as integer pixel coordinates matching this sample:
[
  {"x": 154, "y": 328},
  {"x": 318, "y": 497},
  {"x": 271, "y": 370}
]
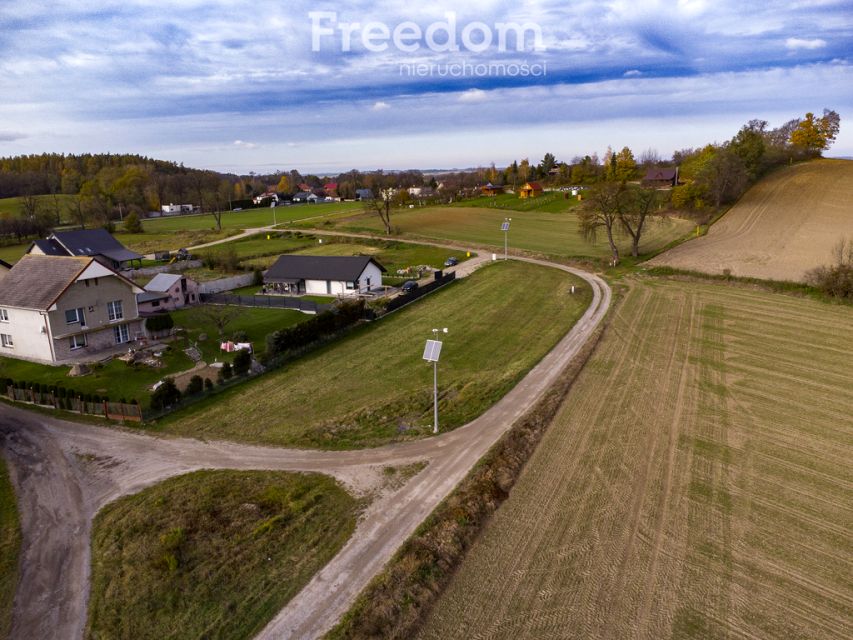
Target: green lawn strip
[
  {"x": 10, "y": 544},
  {"x": 11, "y": 207},
  {"x": 12, "y": 253},
  {"x": 372, "y": 387},
  {"x": 212, "y": 554},
  {"x": 541, "y": 232},
  {"x": 115, "y": 379},
  {"x": 255, "y": 322},
  {"x": 551, "y": 202}
]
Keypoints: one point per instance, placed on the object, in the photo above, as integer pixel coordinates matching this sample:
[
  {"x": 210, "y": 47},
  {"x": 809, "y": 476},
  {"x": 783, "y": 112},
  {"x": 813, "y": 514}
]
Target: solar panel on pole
[
  {"x": 432, "y": 350},
  {"x": 505, "y": 226}
]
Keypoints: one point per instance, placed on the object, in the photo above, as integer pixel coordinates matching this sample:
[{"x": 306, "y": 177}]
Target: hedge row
[
  {"x": 396, "y": 602},
  {"x": 59, "y": 392},
  {"x": 320, "y": 326}
]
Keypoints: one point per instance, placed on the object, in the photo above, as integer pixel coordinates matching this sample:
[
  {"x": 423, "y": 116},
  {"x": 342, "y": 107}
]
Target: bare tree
[
  {"x": 634, "y": 207},
  {"x": 220, "y": 315},
  {"x": 380, "y": 204},
  {"x": 601, "y": 211}
]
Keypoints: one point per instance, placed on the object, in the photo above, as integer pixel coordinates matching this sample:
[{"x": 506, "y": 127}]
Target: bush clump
[
  {"x": 161, "y": 322},
  {"x": 165, "y": 395},
  {"x": 835, "y": 280}
]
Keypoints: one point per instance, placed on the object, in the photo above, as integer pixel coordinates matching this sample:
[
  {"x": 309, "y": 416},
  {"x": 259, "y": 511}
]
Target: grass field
[
  {"x": 372, "y": 387},
  {"x": 261, "y": 250},
  {"x": 256, "y": 323},
  {"x": 785, "y": 225},
  {"x": 695, "y": 484},
  {"x": 14, "y": 206},
  {"x": 549, "y": 233},
  {"x": 551, "y": 202},
  {"x": 10, "y": 543},
  {"x": 114, "y": 379},
  {"x": 212, "y": 554}
]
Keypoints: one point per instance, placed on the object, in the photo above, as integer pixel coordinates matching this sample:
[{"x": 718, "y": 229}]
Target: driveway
[{"x": 65, "y": 472}]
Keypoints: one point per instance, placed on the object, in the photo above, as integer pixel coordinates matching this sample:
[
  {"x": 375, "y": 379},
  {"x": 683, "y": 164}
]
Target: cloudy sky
[{"x": 261, "y": 85}]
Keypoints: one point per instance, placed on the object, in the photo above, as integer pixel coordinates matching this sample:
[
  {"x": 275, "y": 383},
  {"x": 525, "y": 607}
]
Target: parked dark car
[
  {"x": 409, "y": 286},
  {"x": 452, "y": 261}
]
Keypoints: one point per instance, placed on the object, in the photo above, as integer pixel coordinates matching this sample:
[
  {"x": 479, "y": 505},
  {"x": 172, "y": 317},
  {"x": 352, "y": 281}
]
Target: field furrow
[{"x": 690, "y": 487}]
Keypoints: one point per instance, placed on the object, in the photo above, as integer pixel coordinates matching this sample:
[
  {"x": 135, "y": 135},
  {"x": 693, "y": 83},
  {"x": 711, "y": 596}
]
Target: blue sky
[{"x": 239, "y": 85}]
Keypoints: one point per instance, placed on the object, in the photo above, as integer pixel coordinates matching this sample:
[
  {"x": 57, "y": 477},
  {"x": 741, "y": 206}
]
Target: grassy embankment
[
  {"x": 212, "y": 554},
  {"x": 10, "y": 544},
  {"x": 372, "y": 387}
]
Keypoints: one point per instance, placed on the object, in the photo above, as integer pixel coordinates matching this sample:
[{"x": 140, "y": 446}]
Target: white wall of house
[
  {"x": 317, "y": 287},
  {"x": 373, "y": 274},
  {"x": 30, "y": 337}
]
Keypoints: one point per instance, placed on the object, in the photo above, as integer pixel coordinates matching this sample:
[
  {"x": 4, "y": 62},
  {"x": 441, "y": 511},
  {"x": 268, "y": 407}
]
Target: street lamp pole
[
  {"x": 505, "y": 229},
  {"x": 432, "y": 350}
]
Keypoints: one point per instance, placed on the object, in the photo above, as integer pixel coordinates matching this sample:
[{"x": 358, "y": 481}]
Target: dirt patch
[{"x": 783, "y": 226}]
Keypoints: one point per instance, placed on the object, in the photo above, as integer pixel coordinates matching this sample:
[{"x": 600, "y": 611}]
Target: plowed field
[
  {"x": 784, "y": 226},
  {"x": 696, "y": 483}
]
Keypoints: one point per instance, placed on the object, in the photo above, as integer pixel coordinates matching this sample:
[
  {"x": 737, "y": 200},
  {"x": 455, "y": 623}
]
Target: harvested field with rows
[
  {"x": 695, "y": 484},
  {"x": 785, "y": 225}
]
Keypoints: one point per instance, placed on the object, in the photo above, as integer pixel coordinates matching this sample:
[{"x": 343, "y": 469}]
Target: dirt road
[{"x": 65, "y": 472}]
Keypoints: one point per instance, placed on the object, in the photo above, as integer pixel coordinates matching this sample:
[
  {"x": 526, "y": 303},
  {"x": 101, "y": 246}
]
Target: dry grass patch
[{"x": 695, "y": 484}]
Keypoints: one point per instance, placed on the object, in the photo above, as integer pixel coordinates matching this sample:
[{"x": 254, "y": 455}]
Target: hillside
[{"x": 783, "y": 226}]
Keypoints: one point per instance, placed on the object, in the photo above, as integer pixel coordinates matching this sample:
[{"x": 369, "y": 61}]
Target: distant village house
[{"x": 167, "y": 292}]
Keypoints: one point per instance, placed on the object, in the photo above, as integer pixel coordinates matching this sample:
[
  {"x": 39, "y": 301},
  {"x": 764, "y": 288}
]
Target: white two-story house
[{"x": 57, "y": 309}]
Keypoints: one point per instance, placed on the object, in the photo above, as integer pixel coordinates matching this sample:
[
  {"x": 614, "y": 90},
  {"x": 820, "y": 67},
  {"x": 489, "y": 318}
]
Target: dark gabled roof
[
  {"x": 35, "y": 282},
  {"x": 660, "y": 174},
  {"x": 337, "y": 268},
  {"x": 49, "y": 247},
  {"x": 91, "y": 242}
]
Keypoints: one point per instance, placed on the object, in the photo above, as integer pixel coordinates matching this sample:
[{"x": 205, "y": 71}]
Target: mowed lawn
[
  {"x": 10, "y": 544},
  {"x": 256, "y": 323},
  {"x": 696, "y": 483},
  {"x": 542, "y": 232},
  {"x": 373, "y": 387},
  {"x": 212, "y": 554}
]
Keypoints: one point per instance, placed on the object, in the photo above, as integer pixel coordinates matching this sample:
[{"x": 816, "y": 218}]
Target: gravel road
[{"x": 65, "y": 472}]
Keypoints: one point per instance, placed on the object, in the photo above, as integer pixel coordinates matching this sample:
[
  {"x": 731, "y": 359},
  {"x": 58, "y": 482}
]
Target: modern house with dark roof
[
  {"x": 661, "y": 178},
  {"x": 97, "y": 243},
  {"x": 363, "y": 194},
  {"x": 58, "y": 309},
  {"x": 324, "y": 275},
  {"x": 167, "y": 292}
]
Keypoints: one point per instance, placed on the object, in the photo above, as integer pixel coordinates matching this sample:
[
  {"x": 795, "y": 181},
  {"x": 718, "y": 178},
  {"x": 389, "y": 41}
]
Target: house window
[
  {"x": 114, "y": 310},
  {"x": 155, "y": 303},
  {"x": 351, "y": 286},
  {"x": 4, "y": 315},
  {"x": 78, "y": 341},
  {"x": 121, "y": 333},
  {"x": 6, "y": 340},
  {"x": 73, "y": 316}
]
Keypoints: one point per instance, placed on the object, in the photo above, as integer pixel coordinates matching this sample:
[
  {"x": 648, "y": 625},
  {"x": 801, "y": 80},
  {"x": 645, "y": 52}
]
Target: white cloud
[
  {"x": 244, "y": 145},
  {"x": 380, "y": 106},
  {"x": 632, "y": 73},
  {"x": 473, "y": 95},
  {"x": 802, "y": 43}
]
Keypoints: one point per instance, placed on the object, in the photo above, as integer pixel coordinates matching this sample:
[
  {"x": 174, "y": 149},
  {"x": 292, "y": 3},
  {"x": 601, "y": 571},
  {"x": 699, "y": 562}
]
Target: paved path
[{"x": 65, "y": 472}]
